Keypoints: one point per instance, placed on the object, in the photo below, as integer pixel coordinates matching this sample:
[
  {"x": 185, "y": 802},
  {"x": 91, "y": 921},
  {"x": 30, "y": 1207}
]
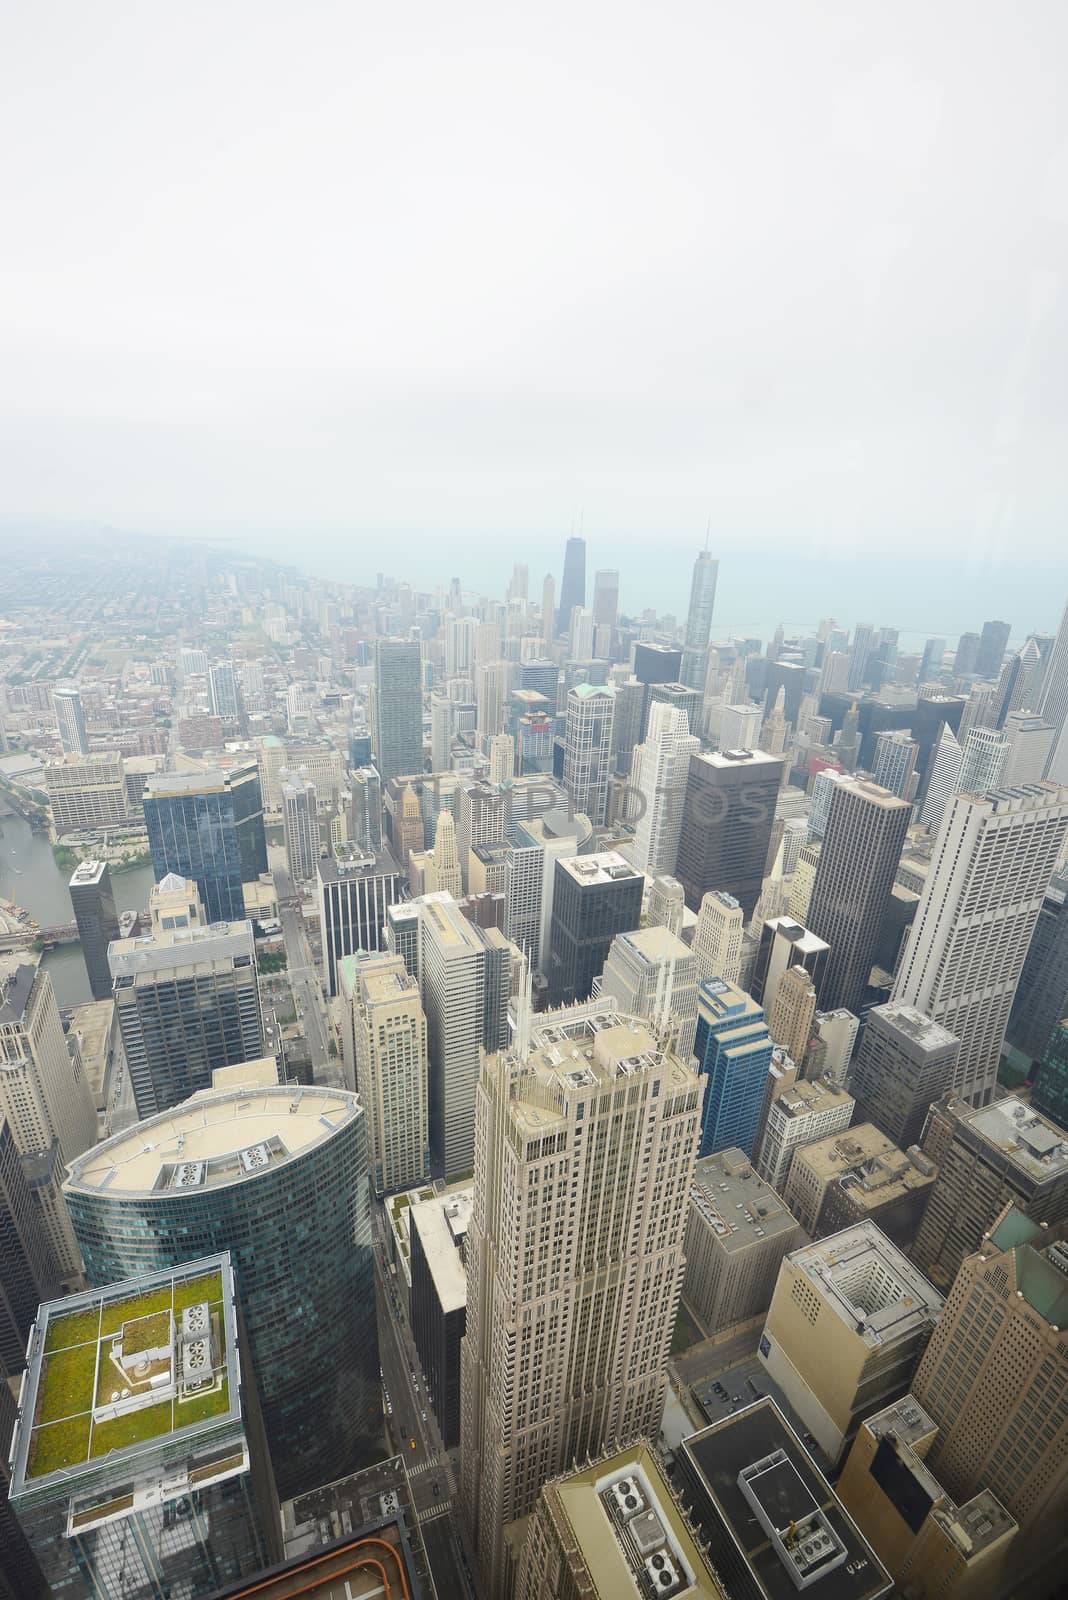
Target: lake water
[{"x": 29, "y": 876}]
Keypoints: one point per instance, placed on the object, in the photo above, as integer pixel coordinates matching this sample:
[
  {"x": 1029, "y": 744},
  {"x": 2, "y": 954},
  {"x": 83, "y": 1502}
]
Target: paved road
[{"x": 304, "y": 980}]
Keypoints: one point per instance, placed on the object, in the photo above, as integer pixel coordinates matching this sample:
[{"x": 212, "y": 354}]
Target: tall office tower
[
  {"x": 733, "y": 1048},
  {"x": 186, "y": 1002},
  {"x": 501, "y": 750},
  {"x": 300, "y": 818},
  {"x": 775, "y": 731},
  {"x": 366, "y": 789},
  {"x": 727, "y": 817},
  {"x": 481, "y": 818},
  {"x": 1029, "y": 747},
  {"x": 354, "y": 894},
  {"x": 605, "y": 598},
  {"x": 588, "y": 749},
  {"x": 895, "y": 762},
  {"x": 278, "y": 1176},
  {"x": 447, "y": 873},
  {"x": 524, "y": 875},
  {"x": 791, "y": 1012},
  {"x": 94, "y": 911},
  {"x": 559, "y": 1356},
  {"x": 466, "y": 980},
  {"x": 737, "y": 1232},
  {"x": 572, "y": 584},
  {"x": 905, "y": 1062},
  {"x": 384, "y": 1034},
  {"x": 298, "y": 707},
  {"x": 437, "y": 1237},
  {"x": 929, "y": 1544},
  {"x": 1042, "y": 993},
  {"x": 985, "y": 753},
  {"x": 397, "y": 708},
  {"x": 849, "y": 1320},
  {"x": 665, "y": 906},
  {"x": 679, "y": 696},
  {"x": 980, "y": 709},
  {"x": 823, "y": 785},
  {"x": 847, "y": 745},
  {"x": 1019, "y": 683},
  {"x": 208, "y": 826},
  {"x": 988, "y": 1158},
  {"x": 493, "y": 683},
  {"x": 87, "y": 791},
  {"x": 739, "y": 727},
  {"x": 660, "y": 770},
  {"x": 995, "y": 1377},
  {"x": 580, "y": 641},
  {"x": 785, "y": 943},
  {"x": 28, "y": 1265},
  {"x": 992, "y": 645},
  {"x": 70, "y": 719},
  {"x": 931, "y": 663},
  {"x": 224, "y": 692},
  {"x": 717, "y": 938},
  {"x": 967, "y": 655},
  {"x": 864, "y": 635},
  {"x": 460, "y": 635},
  {"x": 594, "y": 898},
  {"x": 1049, "y": 1094},
  {"x": 441, "y": 709},
  {"x": 192, "y": 663},
  {"x": 699, "y": 620},
  {"x": 992, "y": 864},
  {"x": 613, "y": 1527},
  {"x": 651, "y": 974},
  {"x": 866, "y": 830},
  {"x": 21, "y": 1577},
  {"x": 139, "y": 1466},
  {"x": 798, "y": 1114},
  {"x": 408, "y": 831},
  {"x": 834, "y": 674},
  {"x": 45, "y": 1098},
  {"x": 943, "y": 778},
  {"x": 837, "y": 1033},
  {"x": 519, "y": 583},
  {"x": 548, "y": 609}
]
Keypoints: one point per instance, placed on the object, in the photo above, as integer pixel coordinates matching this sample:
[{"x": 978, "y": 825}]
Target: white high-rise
[
  {"x": 446, "y": 853},
  {"x": 300, "y": 818},
  {"x": 581, "y": 644},
  {"x": 493, "y": 679},
  {"x": 1030, "y": 742},
  {"x": 460, "y": 636},
  {"x": 739, "y": 727},
  {"x": 585, "y": 1141},
  {"x": 659, "y": 771},
  {"x": 440, "y": 733},
  {"x": 985, "y": 754},
  {"x": 1053, "y": 698},
  {"x": 384, "y": 1033},
  {"x": 588, "y": 749},
  {"x": 717, "y": 938},
  {"x": 650, "y": 973},
  {"x": 992, "y": 864},
  {"x": 70, "y": 719},
  {"x": 946, "y": 762}
]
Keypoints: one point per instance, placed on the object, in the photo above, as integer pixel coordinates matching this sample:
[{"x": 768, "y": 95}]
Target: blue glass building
[
  {"x": 733, "y": 1049},
  {"x": 208, "y": 826}
]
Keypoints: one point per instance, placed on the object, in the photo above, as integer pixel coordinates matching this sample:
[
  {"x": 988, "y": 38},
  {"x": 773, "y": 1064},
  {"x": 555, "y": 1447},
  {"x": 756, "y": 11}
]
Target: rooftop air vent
[
  {"x": 628, "y": 1497},
  {"x": 254, "y": 1157},
  {"x": 662, "y": 1573}
]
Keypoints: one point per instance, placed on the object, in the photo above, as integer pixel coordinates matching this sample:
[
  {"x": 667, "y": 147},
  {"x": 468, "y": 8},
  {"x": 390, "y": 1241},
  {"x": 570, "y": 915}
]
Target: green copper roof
[
  {"x": 1043, "y": 1287},
  {"x": 1014, "y": 1229}
]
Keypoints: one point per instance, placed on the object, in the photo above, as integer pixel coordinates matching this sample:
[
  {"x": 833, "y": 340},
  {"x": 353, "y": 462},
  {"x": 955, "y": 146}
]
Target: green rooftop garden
[{"x": 77, "y": 1360}]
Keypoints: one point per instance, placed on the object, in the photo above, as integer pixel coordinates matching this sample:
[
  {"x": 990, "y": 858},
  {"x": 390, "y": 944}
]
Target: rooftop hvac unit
[
  {"x": 254, "y": 1157},
  {"x": 628, "y": 1497},
  {"x": 662, "y": 1572},
  {"x": 195, "y": 1319},
  {"x": 196, "y": 1357},
  {"x": 188, "y": 1174}
]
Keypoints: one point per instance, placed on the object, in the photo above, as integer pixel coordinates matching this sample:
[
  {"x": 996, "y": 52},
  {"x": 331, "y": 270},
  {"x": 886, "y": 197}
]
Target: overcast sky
[{"x": 799, "y": 267}]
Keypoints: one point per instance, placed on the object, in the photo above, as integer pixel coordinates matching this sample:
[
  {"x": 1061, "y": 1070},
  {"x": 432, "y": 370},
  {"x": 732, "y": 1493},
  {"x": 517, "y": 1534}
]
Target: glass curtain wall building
[{"x": 209, "y": 827}]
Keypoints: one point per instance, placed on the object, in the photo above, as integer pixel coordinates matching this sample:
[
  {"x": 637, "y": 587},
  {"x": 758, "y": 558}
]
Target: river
[{"x": 29, "y": 876}]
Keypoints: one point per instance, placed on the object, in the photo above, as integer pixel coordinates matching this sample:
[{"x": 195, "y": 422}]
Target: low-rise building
[
  {"x": 859, "y": 1175},
  {"x": 737, "y": 1232}
]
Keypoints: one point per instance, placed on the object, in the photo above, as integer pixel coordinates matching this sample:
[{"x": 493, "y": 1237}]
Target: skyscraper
[
  {"x": 70, "y": 719},
  {"x": 863, "y": 644},
  {"x": 29, "y": 1270},
  {"x": 493, "y": 681},
  {"x": 650, "y": 973},
  {"x": 727, "y": 817},
  {"x": 717, "y": 938},
  {"x": 139, "y": 1465},
  {"x": 1050, "y": 1092},
  {"x": 1020, "y": 682},
  {"x": 366, "y": 790},
  {"x": 791, "y": 1012},
  {"x": 995, "y": 1377},
  {"x": 866, "y": 829},
  {"x": 822, "y": 794},
  {"x": 300, "y": 819},
  {"x": 659, "y": 773},
  {"x": 98, "y": 923},
  {"x": 786, "y": 943},
  {"x": 943, "y": 778},
  {"x": 1030, "y": 745},
  {"x": 991, "y": 653},
  {"x": 548, "y": 609},
  {"x": 594, "y": 898},
  {"x": 985, "y": 753},
  {"x": 354, "y": 894},
  {"x": 895, "y": 762},
  {"x": 466, "y": 981},
  {"x": 277, "y": 1176},
  {"x": 573, "y": 583},
  {"x": 209, "y": 827},
  {"x": 560, "y": 1355},
  {"x": 992, "y": 864},
  {"x": 186, "y": 1001},
  {"x": 605, "y": 598},
  {"x": 397, "y": 708},
  {"x": 699, "y": 619},
  {"x": 384, "y": 1034},
  {"x": 1041, "y": 998},
  {"x": 588, "y": 749},
  {"x": 666, "y": 905},
  {"x": 225, "y": 694},
  {"x": 733, "y": 1048},
  {"x": 905, "y": 1062},
  {"x": 967, "y": 655}
]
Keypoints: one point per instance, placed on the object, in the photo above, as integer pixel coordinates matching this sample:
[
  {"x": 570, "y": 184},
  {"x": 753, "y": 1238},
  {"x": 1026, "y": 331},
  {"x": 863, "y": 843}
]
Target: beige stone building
[
  {"x": 86, "y": 792},
  {"x": 585, "y": 1139},
  {"x": 791, "y": 1012},
  {"x": 859, "y": 1175},
  {"x": 737, "y": 1232},
  {"x": 798, "y": 1114},
  {"x": 384, "y": 1046}
]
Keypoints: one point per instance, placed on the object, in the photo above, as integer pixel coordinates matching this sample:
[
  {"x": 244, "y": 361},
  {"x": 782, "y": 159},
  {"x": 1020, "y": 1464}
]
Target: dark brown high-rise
[{"x": 726, "y": 825}]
